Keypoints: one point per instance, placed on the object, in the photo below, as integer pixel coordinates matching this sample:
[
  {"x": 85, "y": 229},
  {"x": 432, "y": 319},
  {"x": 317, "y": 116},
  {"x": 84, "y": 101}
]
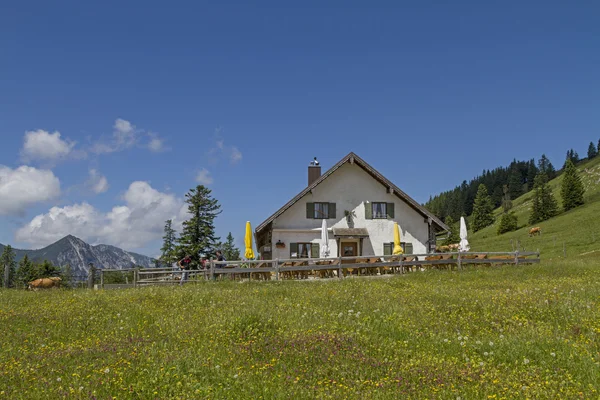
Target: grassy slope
[
  {"x": 578, "y": 229},
  {"x": 511, "y": 332}
]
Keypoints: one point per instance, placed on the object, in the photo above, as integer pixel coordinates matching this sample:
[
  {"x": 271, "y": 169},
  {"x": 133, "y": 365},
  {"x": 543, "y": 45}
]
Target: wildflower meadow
[{"x": 502, "y": 332}]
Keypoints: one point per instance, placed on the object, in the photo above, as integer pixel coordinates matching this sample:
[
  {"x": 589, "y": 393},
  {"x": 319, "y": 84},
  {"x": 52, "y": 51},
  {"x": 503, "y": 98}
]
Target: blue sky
[{"x": 147, "y": 96}]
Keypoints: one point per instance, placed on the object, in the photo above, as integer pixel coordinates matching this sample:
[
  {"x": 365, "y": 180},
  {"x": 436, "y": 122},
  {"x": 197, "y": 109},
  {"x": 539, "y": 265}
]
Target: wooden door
[{"x": 349, "y": 249}]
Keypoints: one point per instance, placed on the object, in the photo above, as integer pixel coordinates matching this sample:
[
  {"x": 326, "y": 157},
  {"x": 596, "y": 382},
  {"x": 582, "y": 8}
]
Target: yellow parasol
[
  {"x": 248, "y": 241},
  {"x": 397, "y": 246}
]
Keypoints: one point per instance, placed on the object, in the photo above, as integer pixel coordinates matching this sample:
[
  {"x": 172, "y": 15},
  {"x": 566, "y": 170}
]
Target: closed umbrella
[
  {"x": 397, "y": 246},
  {"x": 464, "y": 243},
  {"x": 249, "y": 254},
  {"x": 324, "y": 240}
]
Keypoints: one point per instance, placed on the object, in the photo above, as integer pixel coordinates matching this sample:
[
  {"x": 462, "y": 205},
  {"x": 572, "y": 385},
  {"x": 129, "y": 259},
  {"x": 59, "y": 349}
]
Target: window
[
  {"x": 321, "y": 210},
  {"x": 379, "y": 210},
  {"x": 304, "y": 250},
  {"x": 388, "y": 248}
]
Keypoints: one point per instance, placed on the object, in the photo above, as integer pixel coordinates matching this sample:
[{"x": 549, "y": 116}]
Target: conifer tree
[
  {"x": 25, "y": 273},
  {"x": 198, "y": 236},
  {"x": 229, "y": 250},
  {"x": 168, "y": 254},
  {"x": 453, "y": 234},
  {"x": 482, "y": 209},
  {"x": 532, "y": 171},
  {"x": 67, "y": 276},
  {"x": 592, "y": 151},
  {"x": 7, "y": 267},
  {"x": 571, "y": 189},
  {"x": 544, "y": 204},
  {"x": 546, "y": 167},
  {"x": 46, "y": 270},
  {"x": 506, "y": 202}
]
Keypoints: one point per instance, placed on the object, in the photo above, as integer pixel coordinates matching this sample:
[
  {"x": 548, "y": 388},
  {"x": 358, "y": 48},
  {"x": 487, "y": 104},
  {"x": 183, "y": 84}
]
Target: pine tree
[
  {"x": 508, "y": 223},
  {"x": 46, "y": 270},
  {"x": 532, "y": 171},
  {"x": 544, "y": 204},
  {"x": 546, "y": 167},
  {"x": 506, "y": 202},
  {"x": 515, "y": 183},
  {"x": 229, "y": 250},
  {"x": 67, "y": 276},
  {"x": 168, "y": 253},
  {"x": 7, "y": 261},
  {"x": 571, "y": 189},
  {"x": 453, "y": 234},
  {"x": 198, "y": 236},
  {"x": 592, "y": 151},
  {"x": 25, "y": 272},
  {"x": 571, "y": 156},
  {"x": 482, "y": 209}
]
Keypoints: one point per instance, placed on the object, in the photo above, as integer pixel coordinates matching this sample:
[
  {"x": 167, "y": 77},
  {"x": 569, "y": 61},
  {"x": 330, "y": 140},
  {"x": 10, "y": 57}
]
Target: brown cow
[
  {"x": 535, "y": 231},
  {"x": 44, "y": 283},
  {"x": 453, "y": 246}
]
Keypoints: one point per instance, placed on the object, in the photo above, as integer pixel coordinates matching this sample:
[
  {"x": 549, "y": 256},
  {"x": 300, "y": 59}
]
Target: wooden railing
[{"x": 329, "y": 267}]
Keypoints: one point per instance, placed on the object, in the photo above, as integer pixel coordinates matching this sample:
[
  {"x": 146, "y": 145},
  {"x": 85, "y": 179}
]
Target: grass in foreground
[{"x": 509, "y": 332}]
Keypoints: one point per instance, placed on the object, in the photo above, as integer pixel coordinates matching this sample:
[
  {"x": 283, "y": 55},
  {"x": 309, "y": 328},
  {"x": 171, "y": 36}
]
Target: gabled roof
[{"x": 354, "y": 159}]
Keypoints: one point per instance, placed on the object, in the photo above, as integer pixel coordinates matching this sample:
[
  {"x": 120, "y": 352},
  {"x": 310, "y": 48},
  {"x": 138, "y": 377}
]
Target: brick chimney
[{"x": 314, "y": 171}]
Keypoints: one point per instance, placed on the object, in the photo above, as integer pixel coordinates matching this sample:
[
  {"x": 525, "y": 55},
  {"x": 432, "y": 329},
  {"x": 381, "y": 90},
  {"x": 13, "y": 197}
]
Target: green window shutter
[
  {"x": 314, "y": 250},
  {"x": 332, "y": 210},
  {"x": 368, "y": 210},
  {"x": 390, "y": 210},
  {"x": 310, "y": 210},
  {"x": 387, "y": 249},
  {"x": 293, "y": 249},
  {"x": 408, "y": 248}
]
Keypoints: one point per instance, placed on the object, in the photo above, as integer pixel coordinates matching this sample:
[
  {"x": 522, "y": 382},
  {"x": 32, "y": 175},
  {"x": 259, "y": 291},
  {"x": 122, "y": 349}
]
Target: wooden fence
[{"x": 319, "y": 268}]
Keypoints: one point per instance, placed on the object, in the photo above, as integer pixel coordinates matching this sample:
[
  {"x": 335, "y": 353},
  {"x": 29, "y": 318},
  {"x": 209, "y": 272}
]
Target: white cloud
[
  {"x": 203, "y": 177},
  {"x": 25, "y": 186},
  {"x": 97, "y": 182},
  {"x": 221, "y": 150},
  {"x": 132, "y": 225},
  {"x": 236, "y": 155},
  {"x": 156, "y": 144},
  {"x": 125, "y": 136},
  {"x": 45, "y": 146}
]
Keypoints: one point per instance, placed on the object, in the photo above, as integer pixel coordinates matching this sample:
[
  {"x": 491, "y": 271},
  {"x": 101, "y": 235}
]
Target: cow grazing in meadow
[
  {"x": 445, "y": 249},
  {"x": 44, "y": 283},
  {"x": 535, "y": 231}
]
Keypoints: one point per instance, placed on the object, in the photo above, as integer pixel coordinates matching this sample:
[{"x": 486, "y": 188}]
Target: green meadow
[
  {"x": 495, "y": 332},
  {"x": 499, "y": 332}
]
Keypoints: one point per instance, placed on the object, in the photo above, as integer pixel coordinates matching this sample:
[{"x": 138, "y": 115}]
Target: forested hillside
[{"x": 518, "y": 177}]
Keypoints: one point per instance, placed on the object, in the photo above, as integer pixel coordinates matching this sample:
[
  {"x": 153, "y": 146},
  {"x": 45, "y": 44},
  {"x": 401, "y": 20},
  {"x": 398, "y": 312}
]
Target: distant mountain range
[{"x": 77, "y": 253}]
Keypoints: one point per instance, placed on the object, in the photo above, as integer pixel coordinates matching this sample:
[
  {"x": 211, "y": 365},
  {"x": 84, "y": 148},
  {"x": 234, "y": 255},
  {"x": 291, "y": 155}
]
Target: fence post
[
  {"x": 401, "y": 263},
  {"x": 101, "y": 278},
  {"x": 517, "y": 257},
  {"x": 135, "y": 278},
  {"x": 91, "y": 276},
  {"x": 277, "y": 269},
  {"x": 340, "y": 274},
  {"x": 212, "y": 269},
  {"x": 459, "y": 260}
]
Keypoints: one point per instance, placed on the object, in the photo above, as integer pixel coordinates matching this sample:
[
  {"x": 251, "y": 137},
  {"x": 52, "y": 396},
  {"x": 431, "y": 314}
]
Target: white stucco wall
[{"x": 349, "y": 187}]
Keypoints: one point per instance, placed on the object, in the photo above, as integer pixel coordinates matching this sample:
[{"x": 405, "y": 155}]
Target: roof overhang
[
  {"x": 352, "y": 158},
  {"x": 350, "y": 233}
]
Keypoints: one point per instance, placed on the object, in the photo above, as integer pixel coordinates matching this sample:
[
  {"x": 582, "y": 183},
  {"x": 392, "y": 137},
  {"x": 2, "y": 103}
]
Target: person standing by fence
[{"x": 184, "y": 264}]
